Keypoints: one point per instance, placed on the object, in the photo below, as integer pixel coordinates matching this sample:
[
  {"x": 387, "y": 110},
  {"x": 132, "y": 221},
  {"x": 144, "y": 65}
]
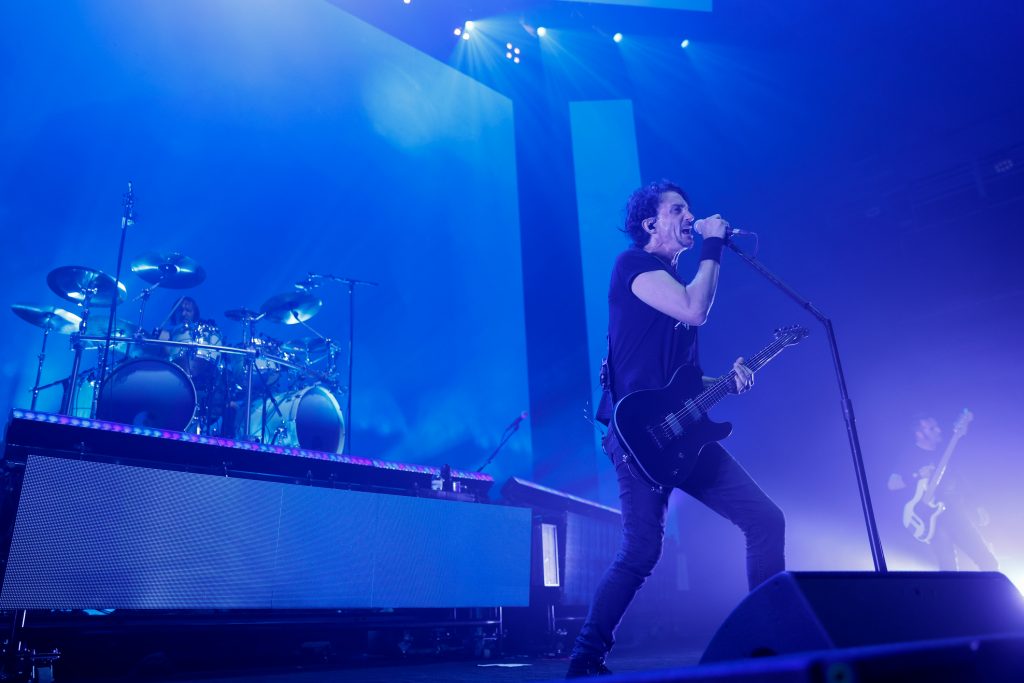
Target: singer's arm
[{"x": 687, "y": 303}]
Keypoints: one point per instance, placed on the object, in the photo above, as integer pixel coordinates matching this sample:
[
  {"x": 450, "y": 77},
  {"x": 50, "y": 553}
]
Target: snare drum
[
  {"x": 200, "y": 362},
  {"x": 145, "y": 392},
  {"x": 309, "y": 418}
]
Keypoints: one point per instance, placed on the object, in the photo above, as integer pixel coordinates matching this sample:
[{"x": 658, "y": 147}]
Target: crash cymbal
[
  {"x": 75, "y": 283},
  {"x": 171, "y": 270},
  {"x": 291, "y": 308},
  {"x": 48, "y": 317},
  {"x": 242, "y": 314}
]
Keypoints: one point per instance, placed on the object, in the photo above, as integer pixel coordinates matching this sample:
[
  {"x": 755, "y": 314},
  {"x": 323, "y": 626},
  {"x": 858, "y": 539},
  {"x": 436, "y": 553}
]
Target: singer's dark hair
[
  {"x": 643, "y": 204},
  {"x": 176, "y": 318}
]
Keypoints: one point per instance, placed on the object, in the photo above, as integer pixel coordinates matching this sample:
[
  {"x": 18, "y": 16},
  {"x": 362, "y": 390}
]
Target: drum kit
[{"x": 181, "y": 375}]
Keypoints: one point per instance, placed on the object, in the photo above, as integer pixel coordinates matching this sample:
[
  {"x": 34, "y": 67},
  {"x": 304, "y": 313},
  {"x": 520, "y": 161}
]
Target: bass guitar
[
  {"x": 664, "y": 430},
  {"x": 921, "y": 512}
]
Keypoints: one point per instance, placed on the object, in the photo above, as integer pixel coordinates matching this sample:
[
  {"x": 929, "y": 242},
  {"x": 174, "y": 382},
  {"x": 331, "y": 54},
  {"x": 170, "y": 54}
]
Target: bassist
[
  {"x": 653, "y": 319},
  {"x": 956, "y": 523}
]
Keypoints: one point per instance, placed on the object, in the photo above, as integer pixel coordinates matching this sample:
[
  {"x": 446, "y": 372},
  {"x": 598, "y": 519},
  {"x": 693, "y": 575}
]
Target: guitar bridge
[{"x": 651, "y": 432}]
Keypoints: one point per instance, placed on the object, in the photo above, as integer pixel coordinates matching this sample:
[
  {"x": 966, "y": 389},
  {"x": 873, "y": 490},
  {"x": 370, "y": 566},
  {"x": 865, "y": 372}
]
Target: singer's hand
[{"x": 712, "y": 226}]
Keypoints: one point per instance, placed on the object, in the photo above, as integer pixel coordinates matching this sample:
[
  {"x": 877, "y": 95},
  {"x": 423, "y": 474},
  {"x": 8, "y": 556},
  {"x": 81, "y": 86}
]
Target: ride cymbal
[{"x": 171, "y": 270}]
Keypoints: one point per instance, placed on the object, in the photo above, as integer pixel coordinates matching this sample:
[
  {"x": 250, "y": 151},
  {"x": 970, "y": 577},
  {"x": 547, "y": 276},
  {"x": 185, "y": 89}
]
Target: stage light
[
  {"x": 508, "y": 55},
  {"x": 617, "y": 37},
  {"x": 516, "y": 50},
  {"x": 685, "y": 44},
  {"x": 515, "y": 59},
  {"x": 469, "y": 25},
  {"x": 508, "y": 46},
  {"x": 541, "y": 31},
  {"x": 407, "y": 1},
  {"x": 457, "y": 31},
  {"x": 465, "y": 36}
]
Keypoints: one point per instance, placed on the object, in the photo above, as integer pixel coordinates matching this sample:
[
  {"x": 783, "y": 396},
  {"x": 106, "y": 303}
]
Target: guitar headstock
[
  {"x": 792, "y": 334},
  {"x": 964, "y": 419}
]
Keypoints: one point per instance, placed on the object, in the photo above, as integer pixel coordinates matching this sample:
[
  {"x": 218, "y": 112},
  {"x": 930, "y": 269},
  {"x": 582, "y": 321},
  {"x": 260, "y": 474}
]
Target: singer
[{"x": 652, "y": 331}]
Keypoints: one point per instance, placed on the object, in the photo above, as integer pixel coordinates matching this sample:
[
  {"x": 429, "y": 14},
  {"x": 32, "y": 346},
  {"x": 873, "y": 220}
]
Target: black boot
[{"x": 584, "y": 667}]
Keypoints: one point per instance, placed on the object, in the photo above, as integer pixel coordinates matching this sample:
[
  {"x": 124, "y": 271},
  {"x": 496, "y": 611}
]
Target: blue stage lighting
[
  {"x": 685, "y": 43},
  {"x": 515, "y": 59},
  {"x": 617, "y": 37},
  {"x": 457, "y": 31},
  {"x": 508, "y": 55},
  {"x": 541, "y": 31}
]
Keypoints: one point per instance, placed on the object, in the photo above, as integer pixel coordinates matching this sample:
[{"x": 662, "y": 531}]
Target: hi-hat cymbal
[
  {"x": 171, "y": 270},
  {"x": 291, "y": 308},
  {"x": 48, "y": 317},
  {"x": 76, "y": 283},
  {"x": 242, "y": 314}
]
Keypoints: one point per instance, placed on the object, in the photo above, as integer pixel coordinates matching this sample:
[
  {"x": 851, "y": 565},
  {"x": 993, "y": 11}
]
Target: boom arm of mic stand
[
  {"x": 851, "y": 426},
  {"x": 501, "y": 444}
]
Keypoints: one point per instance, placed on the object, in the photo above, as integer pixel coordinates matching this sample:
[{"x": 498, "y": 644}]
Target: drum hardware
[
  {"x": 49, "y": 318},
  {"x": 86, "y": 287}
]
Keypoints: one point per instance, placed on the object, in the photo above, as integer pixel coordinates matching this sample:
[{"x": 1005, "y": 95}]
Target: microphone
[
  {"x": 516, "y": 422},
  {"x": 729, "y": 232}
]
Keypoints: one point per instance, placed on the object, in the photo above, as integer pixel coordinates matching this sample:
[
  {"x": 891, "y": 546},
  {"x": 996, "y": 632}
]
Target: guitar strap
[{"x": 604, "y": 409}]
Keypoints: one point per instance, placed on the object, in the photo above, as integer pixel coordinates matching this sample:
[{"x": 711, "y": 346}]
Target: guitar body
[
  {"x": 919, "y": 515},
  {"x": 649, "y": 425}
]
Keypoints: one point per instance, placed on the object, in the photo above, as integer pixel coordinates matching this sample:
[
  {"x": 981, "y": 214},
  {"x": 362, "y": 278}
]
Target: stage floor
[{"x": 500, "y": 670}]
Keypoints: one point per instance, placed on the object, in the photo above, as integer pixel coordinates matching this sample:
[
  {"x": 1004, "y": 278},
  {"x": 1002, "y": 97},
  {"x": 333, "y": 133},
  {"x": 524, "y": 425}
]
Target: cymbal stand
[
  {"x": 127, "y": 219},
  {"x": 76, "y": 363},
  {"x": 248, "y": 330},
  {"x": 143, "y": 297},
  {"x": 351, "y": 282},
  {"x": 39, "y": 368}
]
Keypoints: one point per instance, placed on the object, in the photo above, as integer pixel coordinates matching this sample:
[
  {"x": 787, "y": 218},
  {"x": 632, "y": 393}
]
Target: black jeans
[
  {"x": 719, "y": 482},
  {"x": 955, "y": 534}
]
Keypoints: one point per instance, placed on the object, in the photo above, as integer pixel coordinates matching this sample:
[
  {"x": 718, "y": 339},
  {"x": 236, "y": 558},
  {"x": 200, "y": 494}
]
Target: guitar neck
[
  {"x": 722, "y": 387},
  {"x": 940, "y": 469}
]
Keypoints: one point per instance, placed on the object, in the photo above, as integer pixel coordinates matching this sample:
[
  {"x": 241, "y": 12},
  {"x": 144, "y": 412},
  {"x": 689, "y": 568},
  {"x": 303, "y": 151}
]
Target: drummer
[{"x": 188, "y": 326}]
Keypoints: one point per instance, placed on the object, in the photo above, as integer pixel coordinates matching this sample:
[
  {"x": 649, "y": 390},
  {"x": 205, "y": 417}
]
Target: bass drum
[
  {"x": 147, "y": 392},
  {"x": 309, "y": 418}
]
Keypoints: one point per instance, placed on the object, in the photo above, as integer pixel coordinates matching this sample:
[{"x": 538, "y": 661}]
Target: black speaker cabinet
[{"x": 804, "y": 611}]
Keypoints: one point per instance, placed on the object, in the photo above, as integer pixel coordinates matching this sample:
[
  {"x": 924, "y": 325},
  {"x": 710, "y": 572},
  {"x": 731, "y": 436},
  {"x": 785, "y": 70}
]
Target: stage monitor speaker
[{"x": 805, "y": 611}]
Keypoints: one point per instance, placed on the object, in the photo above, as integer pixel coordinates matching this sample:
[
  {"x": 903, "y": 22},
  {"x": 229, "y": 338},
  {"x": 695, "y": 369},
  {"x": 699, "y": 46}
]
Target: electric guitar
[
  {"x": 921, "y": 512},
  {"x": 664, "y": 430}
]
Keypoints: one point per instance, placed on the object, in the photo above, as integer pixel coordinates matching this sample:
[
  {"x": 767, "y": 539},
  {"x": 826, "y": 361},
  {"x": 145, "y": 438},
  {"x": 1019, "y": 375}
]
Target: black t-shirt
[{"x": 646, "y": 346}]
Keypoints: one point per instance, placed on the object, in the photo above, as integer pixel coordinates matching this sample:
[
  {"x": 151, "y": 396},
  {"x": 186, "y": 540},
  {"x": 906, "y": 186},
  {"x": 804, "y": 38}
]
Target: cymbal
[
  {"x": 48, "y": 317},
  {"x": 123, "y": 328},
  {"x": 242, "y": 314},
  {"x": 308, "y": 346},
  {"x": 291, "y": 308},
  {"x": 74, "y": 283},
  {"x": 171, "y": 270}
]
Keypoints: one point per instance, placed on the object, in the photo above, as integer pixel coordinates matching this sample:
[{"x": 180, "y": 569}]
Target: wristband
[{"x": 711, "y": 249}]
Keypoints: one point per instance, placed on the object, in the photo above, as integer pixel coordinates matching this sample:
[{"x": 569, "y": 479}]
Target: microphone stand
[
  {"x": 127, "y": 218},
  {"x": 351, "y": 282},
  {"x": 509, "y": 431},
  {"x": 847, "y": 406}
]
